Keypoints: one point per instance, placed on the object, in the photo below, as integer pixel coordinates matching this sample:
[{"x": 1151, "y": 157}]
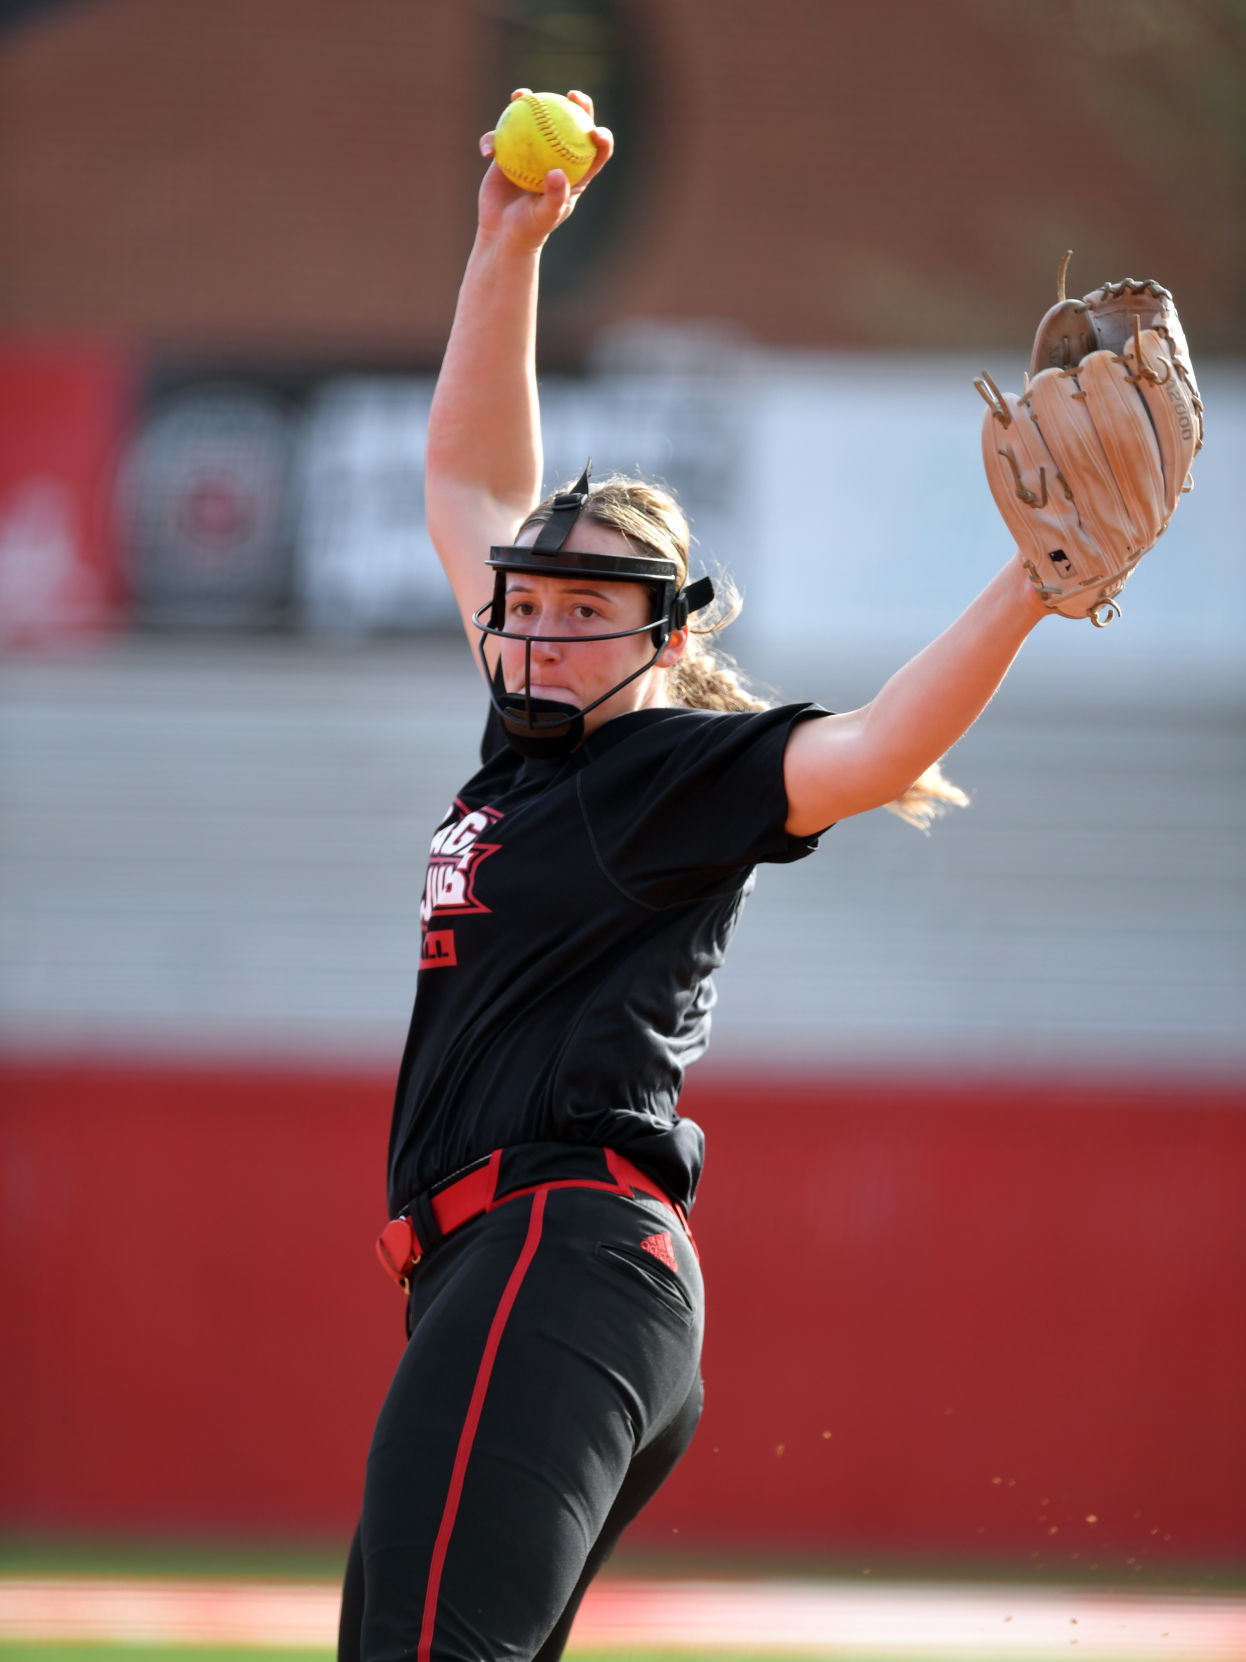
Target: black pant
[{"x": 550, "y": 1384}]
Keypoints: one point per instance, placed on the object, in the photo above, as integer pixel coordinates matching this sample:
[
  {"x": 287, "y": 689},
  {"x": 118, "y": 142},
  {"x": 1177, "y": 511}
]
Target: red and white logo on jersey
[{"x": 450, "y": 886}]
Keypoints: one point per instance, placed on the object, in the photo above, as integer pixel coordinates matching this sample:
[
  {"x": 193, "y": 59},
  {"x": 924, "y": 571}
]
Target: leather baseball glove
[{"x": 1087, "y": 464}]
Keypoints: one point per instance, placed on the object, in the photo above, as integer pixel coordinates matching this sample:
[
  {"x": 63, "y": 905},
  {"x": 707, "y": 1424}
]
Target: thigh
[
  {"x": 551, "y": 1352},
  {"x": 646, "y": 1475}
]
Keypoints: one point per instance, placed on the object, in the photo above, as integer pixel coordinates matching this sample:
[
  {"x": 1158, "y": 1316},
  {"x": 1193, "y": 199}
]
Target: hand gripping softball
[{"x": 1087, "y": 464}]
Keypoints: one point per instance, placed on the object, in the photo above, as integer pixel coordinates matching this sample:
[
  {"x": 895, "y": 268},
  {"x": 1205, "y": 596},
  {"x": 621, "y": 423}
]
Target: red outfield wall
[{"x": 983, "y": 1319}]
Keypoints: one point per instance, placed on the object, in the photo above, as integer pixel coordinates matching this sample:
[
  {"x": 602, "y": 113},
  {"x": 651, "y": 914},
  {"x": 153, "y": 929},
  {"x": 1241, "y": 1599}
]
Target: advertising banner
[
  {"x": 295, "y": 498},
  {"x": 206, "y": 503}
]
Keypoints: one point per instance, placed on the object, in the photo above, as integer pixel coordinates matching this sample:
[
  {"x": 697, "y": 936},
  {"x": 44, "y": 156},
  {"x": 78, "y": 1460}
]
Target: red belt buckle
[{"x": 399, "y": 1251}]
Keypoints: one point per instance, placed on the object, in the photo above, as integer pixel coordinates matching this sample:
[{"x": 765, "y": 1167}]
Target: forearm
[
  {"x": 849, "y": 763},
  {"x": 928, "y": 705},
  {"x": 484, "y": 425}
]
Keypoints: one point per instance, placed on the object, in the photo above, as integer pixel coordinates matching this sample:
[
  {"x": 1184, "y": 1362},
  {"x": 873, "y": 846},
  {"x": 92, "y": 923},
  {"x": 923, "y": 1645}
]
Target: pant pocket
[{"x": 643, "y": 1267}]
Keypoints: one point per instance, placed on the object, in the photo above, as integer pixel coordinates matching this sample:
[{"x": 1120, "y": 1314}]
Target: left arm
[{"x": 846, "y": 764}]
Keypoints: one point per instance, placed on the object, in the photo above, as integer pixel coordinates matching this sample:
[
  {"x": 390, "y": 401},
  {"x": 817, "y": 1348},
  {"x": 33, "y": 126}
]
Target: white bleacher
[{"x": 213, "y": 847}]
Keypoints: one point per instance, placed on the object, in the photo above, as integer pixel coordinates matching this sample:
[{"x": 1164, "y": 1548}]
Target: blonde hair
[{"x": 706, "y": 678}]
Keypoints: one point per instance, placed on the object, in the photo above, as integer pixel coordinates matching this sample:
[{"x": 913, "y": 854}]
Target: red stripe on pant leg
[{"x": 467, "y": 1436}]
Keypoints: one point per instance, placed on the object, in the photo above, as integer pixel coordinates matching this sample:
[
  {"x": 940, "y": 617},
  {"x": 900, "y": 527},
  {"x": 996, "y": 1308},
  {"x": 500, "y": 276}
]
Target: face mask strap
[
  {"x": 563, "y": 513},
  {"x": 675, "y": 608},
  {"x": 497, "y": 606},
  {"x": 694, "y": 598}
]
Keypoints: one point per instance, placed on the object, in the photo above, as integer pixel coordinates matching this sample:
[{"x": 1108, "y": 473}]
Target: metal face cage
[{"x": 545, "y": 727}]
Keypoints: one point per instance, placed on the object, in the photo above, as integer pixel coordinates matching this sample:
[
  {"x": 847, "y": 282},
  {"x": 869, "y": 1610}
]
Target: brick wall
[{"x": 285, "y": 173}]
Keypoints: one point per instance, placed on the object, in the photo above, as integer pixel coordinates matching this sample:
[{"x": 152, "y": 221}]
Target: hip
[{"x": 506, "y": 1176}]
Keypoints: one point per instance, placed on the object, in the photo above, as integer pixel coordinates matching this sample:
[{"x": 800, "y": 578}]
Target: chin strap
[{"x": 550, "y": 741}]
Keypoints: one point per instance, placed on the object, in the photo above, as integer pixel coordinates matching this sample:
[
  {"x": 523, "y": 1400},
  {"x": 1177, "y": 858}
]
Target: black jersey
[{"x": 573, "y": 915}]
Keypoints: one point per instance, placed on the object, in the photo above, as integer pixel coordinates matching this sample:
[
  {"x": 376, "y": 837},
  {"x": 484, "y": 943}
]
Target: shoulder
[
  {"x": 673, "y": 728},
  {"x": 678, "y": 802},
  {"x": 651, "y": 760}
]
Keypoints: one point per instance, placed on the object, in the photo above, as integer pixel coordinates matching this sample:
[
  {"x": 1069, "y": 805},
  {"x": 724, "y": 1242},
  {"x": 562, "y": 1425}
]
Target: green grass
[
  {"x": 56, "y": 1650},
  {"x": 180, "y": 1556},
  {"x": 265, "y": 1560}
]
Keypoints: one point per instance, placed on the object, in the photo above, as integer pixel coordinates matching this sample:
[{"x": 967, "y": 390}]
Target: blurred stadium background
[{"x": 973, "y": 1209}]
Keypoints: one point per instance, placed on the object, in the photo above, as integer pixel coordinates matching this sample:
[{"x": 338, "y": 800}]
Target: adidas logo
[{"x": 661, "y": 1248}]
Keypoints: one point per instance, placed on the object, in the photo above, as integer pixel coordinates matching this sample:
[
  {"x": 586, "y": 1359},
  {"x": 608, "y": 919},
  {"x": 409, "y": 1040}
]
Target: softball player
[{"x": 581, "y": 890}]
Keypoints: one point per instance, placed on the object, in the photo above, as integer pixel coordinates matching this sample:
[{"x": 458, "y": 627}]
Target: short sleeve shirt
[{"x": 573, "y": 915}]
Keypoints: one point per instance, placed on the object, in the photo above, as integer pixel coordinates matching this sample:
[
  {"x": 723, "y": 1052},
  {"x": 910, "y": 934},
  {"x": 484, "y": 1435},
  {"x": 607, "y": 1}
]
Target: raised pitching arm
[{"x": 484, "y": 463}]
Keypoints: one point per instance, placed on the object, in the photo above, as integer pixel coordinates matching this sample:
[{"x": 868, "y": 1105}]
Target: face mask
[{"x": 543, "y": 727}]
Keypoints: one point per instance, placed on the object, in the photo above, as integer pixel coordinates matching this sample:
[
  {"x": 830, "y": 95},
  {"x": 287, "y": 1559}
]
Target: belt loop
[{"x": 428, "y": 1231}]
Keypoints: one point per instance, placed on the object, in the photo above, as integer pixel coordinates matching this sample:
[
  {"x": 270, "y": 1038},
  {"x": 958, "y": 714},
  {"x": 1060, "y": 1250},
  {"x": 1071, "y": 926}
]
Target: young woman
[{"x": 581, "y": 890}]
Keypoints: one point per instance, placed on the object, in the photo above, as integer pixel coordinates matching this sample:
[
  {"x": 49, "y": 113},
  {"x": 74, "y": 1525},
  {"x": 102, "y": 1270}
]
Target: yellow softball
[{"x": 540, "y": 131}]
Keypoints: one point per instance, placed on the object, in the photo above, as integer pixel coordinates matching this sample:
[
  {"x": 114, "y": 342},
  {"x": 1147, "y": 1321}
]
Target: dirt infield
[{"x": 898, "y": 1621}]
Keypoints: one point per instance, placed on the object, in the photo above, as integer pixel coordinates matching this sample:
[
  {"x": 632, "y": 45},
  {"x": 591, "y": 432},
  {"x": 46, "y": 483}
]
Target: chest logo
[{"x": 450, "y": 886}]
